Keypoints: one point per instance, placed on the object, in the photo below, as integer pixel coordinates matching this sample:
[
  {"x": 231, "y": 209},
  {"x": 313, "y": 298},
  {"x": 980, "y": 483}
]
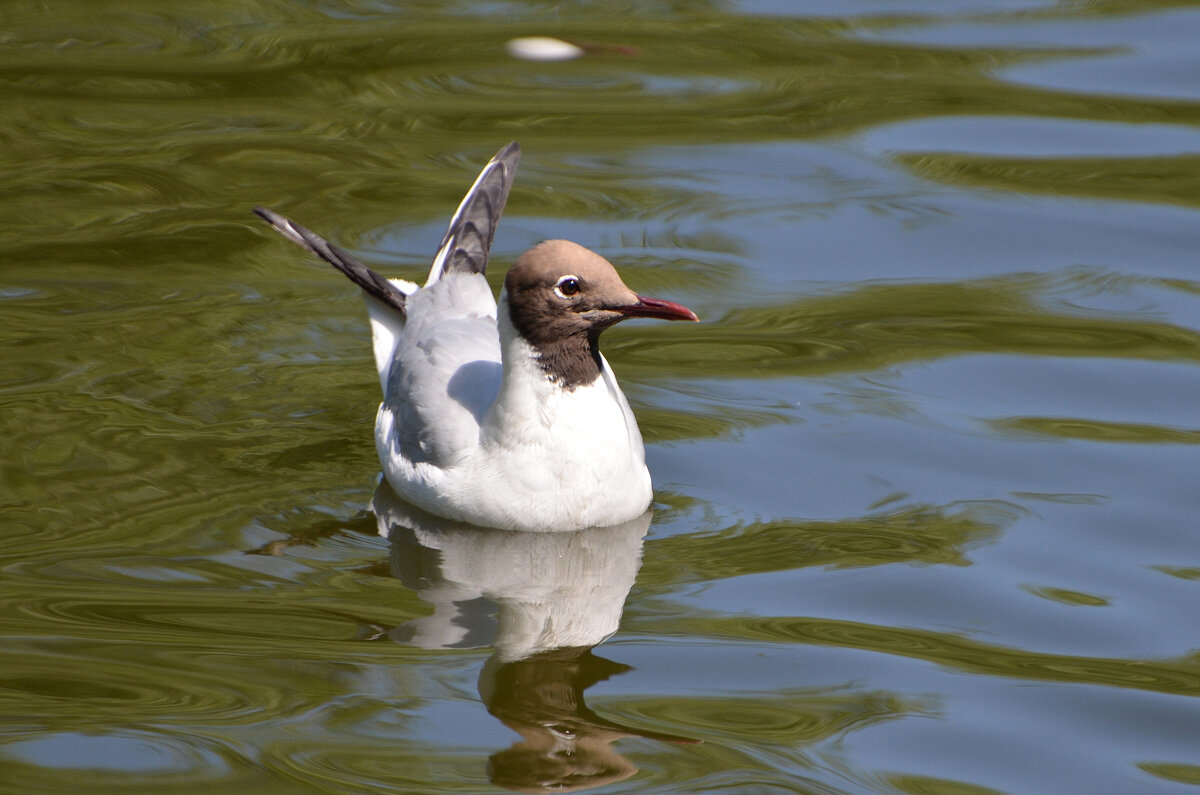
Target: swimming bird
[{"x": 504, "y": 415}]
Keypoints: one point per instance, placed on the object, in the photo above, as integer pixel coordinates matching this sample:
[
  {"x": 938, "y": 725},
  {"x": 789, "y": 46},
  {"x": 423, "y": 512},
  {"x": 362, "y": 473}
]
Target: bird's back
[{"x": 444, "y": 370}]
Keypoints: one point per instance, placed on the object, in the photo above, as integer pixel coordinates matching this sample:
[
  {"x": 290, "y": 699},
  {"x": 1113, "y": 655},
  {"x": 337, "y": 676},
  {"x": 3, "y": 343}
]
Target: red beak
[{"x": 654, "y": 307}]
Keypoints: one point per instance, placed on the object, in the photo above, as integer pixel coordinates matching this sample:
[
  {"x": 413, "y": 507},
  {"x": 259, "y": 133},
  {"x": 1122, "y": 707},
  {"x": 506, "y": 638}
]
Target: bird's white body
[
  {"x": 503, "y": 415},
  {"x": 471, "y": 427}
]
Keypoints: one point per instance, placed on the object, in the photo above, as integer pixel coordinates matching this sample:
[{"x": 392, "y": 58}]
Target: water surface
[{"x": 926, "y": 474}]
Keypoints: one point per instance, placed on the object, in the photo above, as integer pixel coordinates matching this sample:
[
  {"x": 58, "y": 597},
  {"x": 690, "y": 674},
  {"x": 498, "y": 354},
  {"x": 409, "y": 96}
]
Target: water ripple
[
  {"x": 875, "y": 326},
  {"x": 110, "y": 758},
  {"x": 783, "y": 718},
  {"x": 1179, "y": 676},
  {"x": 913, "y": 534},
  {"x": 142, "y": 683}
]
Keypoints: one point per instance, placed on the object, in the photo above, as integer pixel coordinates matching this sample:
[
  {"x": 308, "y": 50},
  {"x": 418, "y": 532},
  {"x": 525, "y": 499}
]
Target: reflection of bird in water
[
  {"x": 565, "y": 747},
  {"x": 553, "y": 596},
  {"x": 549, "y": 590}
]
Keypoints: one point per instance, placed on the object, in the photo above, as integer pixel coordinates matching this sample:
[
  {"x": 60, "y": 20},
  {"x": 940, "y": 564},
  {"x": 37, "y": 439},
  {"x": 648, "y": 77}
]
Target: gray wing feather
[
  {"x": 358, "y": 273},
  {"x": 468, "y": 238},
  {"x": 445, "y": 368}
]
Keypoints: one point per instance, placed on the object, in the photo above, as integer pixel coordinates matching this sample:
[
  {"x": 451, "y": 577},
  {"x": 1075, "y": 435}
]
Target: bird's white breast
[
  {"x": 548, "y": 458},
  {"x": 569, "y": 457}
]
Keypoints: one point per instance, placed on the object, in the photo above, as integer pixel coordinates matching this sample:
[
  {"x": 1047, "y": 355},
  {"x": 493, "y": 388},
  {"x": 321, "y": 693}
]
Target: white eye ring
[{"x": 568, "y": 286}]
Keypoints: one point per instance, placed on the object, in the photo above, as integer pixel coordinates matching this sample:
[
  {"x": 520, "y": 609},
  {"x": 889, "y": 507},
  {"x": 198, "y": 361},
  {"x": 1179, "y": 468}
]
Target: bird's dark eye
[{"x": 568, "y": 286}]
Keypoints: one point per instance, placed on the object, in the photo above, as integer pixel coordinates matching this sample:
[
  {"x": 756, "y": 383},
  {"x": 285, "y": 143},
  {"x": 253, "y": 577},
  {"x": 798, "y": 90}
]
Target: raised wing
[
  {"x": 358, "y": 273},
  {"x": 468, "y": 238}
]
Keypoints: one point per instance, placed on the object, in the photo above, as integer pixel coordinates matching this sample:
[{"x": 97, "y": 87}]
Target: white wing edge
[{"x": 386, "y": 327}]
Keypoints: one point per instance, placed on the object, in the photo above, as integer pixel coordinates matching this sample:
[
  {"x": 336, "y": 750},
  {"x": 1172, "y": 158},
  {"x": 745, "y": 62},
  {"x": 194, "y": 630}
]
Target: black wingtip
[
  {"x": 354, "y": 270},
  {"x": 509, "y": 155}
]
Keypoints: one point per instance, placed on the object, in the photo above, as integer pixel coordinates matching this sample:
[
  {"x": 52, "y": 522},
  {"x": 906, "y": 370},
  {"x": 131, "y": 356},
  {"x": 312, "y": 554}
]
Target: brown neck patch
[
  {"x": 568, "y": 354},
  {"x": 562, "y": 320}
]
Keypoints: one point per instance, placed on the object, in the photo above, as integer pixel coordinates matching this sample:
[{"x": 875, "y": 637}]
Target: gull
[{"x": 503, "y": 414}]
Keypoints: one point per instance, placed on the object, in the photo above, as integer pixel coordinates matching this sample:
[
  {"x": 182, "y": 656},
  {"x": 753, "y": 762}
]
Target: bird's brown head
[{"x": 561, "y": 296}]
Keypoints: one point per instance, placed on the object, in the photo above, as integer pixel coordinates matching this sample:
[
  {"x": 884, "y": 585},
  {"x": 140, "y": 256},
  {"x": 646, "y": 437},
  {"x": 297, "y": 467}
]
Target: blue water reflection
[{"x": 542, "y": 601}]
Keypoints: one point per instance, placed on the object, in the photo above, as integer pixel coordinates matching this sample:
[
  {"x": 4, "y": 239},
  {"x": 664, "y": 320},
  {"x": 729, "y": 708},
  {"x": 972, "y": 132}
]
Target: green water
[{"x": 927, "y": 473}]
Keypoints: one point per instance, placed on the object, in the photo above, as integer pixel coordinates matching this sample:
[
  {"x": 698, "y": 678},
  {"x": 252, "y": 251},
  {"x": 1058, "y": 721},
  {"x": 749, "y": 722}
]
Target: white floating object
[{"x": 542, "y": 48}]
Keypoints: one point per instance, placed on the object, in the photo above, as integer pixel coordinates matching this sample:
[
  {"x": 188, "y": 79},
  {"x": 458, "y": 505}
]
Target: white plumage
[{"x": 503, "y": 416}]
